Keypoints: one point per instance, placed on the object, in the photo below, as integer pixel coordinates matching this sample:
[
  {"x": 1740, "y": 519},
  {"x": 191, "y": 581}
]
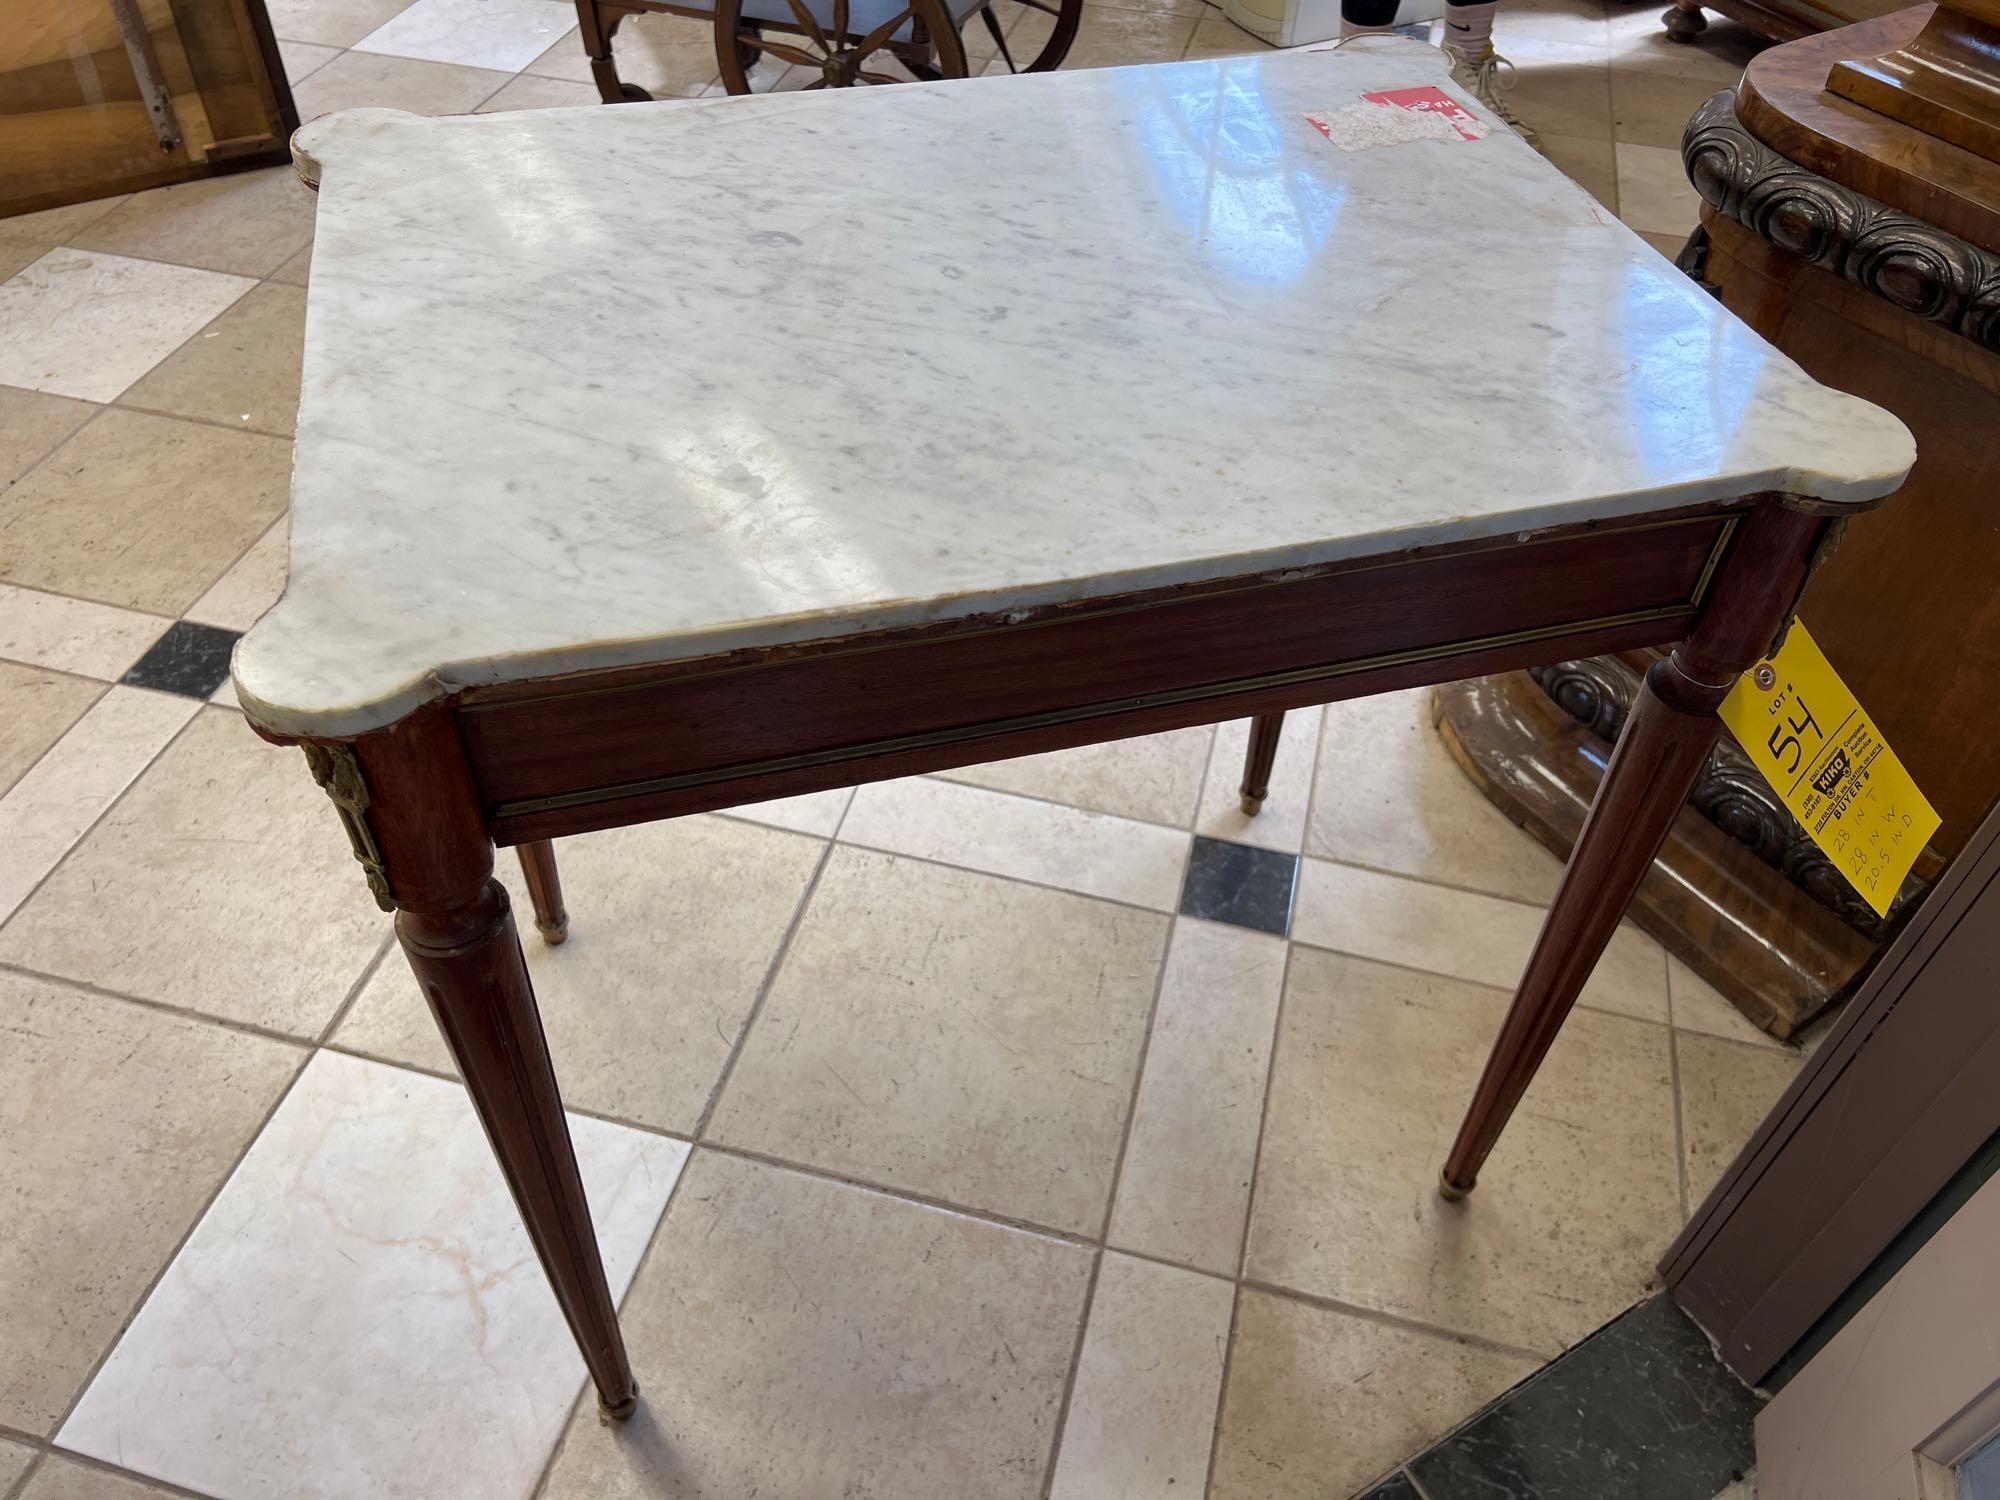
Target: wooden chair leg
[
  {"x": 538, "y": 869},
  {"x": 1257, "y": 763},
  {"x": 435, "y": 862},
  {"x": 1663, "y": 749},
  {"x": 597, "y": 23}
]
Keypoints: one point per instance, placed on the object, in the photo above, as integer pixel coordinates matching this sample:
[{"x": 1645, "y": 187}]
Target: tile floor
[{"x": 1046, "y": 1128}]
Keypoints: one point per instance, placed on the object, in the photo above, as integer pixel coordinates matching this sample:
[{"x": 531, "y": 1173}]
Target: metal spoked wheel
[
  {"x": 1015, "y": 23},
  {"x": 920, "y": 36}
]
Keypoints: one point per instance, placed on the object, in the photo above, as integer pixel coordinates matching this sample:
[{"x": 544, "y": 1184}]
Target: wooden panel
[
  {"x": 1894, "y": 1102},
  {"x": 1182, "y": 654}
]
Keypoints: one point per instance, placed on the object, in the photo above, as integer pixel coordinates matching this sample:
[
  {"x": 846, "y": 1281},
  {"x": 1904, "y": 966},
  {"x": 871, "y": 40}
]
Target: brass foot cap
[
  {"x": 1253, "y": 803},
  {"x": 624, "y": 1409},
  {"x": 553, "y": 932},
  {"x": 1450, "y": 1191}
]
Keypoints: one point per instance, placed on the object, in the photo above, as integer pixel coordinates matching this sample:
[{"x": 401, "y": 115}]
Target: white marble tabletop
[{"x": 601, "y": 386}]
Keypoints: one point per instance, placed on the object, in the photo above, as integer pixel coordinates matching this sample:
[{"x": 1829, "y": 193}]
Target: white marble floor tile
[
  {"x": 816, "y": 813},
  {"x": 505, "y": 35},
  {"x": 251, "y": 586},
  {"x": 87, "y": 324},
  {"x": 1281, "y": 822},
  {"x": 1193, "y": 1146},
  {"x": 1463, "y": 934},
  {"x": 360, "y": 1311},
  {"x": 1093, "y": 853},
  {"x": 73, "y": 635},
  {"x": 1391, "y": 796},
  {"x": 1143, "y": 1406},
  {"x": 53, "y": 805}
]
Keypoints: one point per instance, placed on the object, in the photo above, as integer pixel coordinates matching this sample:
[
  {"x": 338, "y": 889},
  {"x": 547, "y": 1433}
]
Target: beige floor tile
[
  {"x": 303, "y": 59},
  {"x": 15, "y": 1459},
  {"x": 673, "y": 927},
  {"x": 1573, "y": 22},
  {"x": 1651, "y": 108},
  {"x": 1281, "y": 822},
  {"x": 294, "y": 271},
  {"x": 1143, "y": 1406},
  {"x": 250, "y": 587},
  {"x": 17, "y": 255},
  {"x": 119, "y": 1122},
  {"x": 1186, "y": 1182},
  {"x": 356, "y": 80},
  {"x": 1588, "y": 162},
  {"x": 1373, "y": 1071},
  {"x": 1718, "y": 55},
  {"x": 87, "y": 325},
  {"x": 331, "y": 23},
  {"x": 73, "y": 635},
  {"x": 1217, "y": 36},
  {"x": 142, "y": 511},
  {"x": 816, "y": 813},
  {"x": 54, "y": 804},
  {"x": 1699, "y": 1006},
  {"x": 61, "y": 1478},
  {"x": 1726, "y": 1089},
  {"x": 968, "y": 1038},
  {"x": 1320, "y": 1403},
  {"x": 668, "y": 56},
  {"x": 1154, "y": 778},
  {"x": 222, "y": 882},
  {"x": 1669, "y": 245},
  {"x": 793, "y": 1336},
  {"x": 52, "y": 226},
  {"x": 1563, "y": 98},
  {"x": 531, "y": 92},
  {"x": 1112, "y": 37},
  {"x": 244, "y": 223},
  {"x": 31, "y": 424},
  {"x": 1654, "y": 195},
  {"x": 1091, "y": 853},
  {"x": 36, "y": 707},
  {"x": 505, "y": 35},
  {"x": 1391, "y": 796},
  {"x": 242, "y": 370},
  {"x": 1462, "y": 934}
]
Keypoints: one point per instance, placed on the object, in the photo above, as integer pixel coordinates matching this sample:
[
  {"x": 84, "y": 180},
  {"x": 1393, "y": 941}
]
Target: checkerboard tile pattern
[{"x": 1043, "y": 1128}]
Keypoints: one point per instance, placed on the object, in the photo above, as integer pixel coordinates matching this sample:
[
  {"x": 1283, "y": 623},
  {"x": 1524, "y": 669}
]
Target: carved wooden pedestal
[{"x": 1870, "y": 253}]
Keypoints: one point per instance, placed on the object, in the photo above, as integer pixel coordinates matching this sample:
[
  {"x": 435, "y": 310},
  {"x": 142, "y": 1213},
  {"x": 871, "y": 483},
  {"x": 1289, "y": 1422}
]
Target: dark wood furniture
[
  {"x": 109, "y": 96},
  {"x": 848, "y": 42},
  {"x": 680, "y": 633},
  {"x": 1870, "y": 253}
]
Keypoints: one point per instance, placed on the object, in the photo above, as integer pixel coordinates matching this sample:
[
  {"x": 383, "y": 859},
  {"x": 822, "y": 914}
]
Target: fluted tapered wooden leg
[
  {"x": 1665, "y": 744},
  {"x": 457, "y": 930},
  {"x": 538, "y": 869},
  {"x": 1258, "y": 760}
]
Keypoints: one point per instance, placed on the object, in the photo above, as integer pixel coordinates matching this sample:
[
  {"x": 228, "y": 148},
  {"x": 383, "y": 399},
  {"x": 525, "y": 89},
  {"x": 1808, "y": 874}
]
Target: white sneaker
[{"x": 1481, "y": 77}]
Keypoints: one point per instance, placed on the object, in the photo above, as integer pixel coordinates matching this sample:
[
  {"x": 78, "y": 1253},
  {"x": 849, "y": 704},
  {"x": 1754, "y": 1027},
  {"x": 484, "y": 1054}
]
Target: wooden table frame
[{"x": 427, "y": 799}]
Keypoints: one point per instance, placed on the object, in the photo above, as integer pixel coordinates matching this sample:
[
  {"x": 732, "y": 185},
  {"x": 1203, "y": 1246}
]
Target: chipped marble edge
[{"x": 357, "y": 705}]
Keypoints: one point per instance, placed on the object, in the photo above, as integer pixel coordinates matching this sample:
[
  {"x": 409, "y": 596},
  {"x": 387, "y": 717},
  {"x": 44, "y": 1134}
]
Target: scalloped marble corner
[{"x": 599, "y": 387}]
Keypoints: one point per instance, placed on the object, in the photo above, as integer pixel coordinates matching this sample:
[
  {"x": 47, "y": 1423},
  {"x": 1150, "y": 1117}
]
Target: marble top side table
[{"x": 667, "y": 457}]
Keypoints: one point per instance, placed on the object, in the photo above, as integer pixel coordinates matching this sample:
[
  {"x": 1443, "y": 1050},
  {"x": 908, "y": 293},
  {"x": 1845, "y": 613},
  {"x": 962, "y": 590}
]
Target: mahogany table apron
[{"x": 427, "y": 799}]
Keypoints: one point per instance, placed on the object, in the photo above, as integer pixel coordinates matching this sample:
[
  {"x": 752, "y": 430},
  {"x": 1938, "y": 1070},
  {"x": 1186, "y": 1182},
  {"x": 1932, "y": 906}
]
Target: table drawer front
[{"x": 1102, "y": 663}]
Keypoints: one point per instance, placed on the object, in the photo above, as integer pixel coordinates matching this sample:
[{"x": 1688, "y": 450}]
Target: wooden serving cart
[{"x": 847, "y": 42}]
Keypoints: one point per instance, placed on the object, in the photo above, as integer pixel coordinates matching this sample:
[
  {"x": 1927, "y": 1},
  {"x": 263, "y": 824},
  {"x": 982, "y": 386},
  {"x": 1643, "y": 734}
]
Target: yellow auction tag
[{"x": 1817, "y": 747}]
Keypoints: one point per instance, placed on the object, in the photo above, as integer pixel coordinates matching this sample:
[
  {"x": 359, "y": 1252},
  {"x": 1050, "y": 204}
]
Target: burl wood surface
[
  {"x": 1784, "y": 103},
  {"x": 1907, "y": 609}
]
